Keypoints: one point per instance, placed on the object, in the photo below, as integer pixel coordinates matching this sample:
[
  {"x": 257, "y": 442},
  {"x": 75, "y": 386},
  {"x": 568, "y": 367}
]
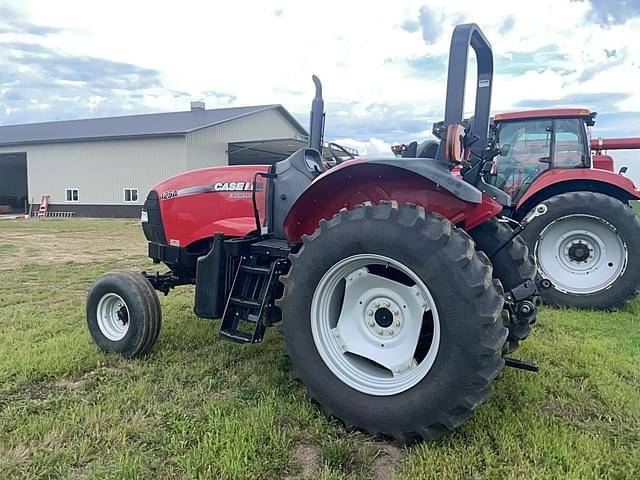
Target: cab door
[{"x": 531, "y": 147}]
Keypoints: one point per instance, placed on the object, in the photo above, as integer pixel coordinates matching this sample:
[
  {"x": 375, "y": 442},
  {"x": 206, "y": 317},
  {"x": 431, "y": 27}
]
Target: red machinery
[
  {"x": 587, "y": 242},
  {"x": 393, "y": 320},
  {"x": 599, "y": 146},
  {"x": 585, "y": 234}
]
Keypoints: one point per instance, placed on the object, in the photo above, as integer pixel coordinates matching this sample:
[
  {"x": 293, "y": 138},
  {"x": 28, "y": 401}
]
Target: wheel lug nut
[
  {"x": 371, "y": 323},
  {"x": 387, "y": 304},
  {"x": 370, "y": 313},
  {"x": 396, "y": 312},
  {"x": 390, "y": 331},
  {"x": 379, "y": 332},
  {"x": 397, "y": 324},
  {"x": 376, "y": 305}
]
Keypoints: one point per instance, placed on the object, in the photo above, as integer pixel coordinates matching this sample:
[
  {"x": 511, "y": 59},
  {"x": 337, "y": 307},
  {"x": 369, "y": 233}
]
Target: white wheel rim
[
  {"x": 113, "y": 316},
  {"x": 581, "y": 254},
  {"x": 377, "y": 335}
]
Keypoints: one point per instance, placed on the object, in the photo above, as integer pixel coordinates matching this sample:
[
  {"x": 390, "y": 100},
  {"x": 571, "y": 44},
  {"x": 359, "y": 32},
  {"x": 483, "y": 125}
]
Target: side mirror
[
  {"x": 504, "y": 150},
  {"x": 544, "y": 159}
]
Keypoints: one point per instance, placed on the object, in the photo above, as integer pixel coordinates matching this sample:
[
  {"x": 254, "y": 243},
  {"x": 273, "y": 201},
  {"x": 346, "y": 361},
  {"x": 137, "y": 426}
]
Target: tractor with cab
[
  {"x": 396, "y": 283},
  {"x": 586, "y": 235}
]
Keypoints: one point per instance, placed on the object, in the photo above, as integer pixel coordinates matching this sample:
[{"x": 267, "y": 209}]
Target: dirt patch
[
  {"x": 64, "y": 247},
  {"x": 575, "y": 415},
  {"x": 39, "y": 391},
  {"x": 74, "y": 384},
  {"x": 77, "y": 383},
  {"x": 34, "y": 392},
  {"x": 12, "y": 457},
  {"x": 592, "y": 421},
  {"x": 78, "y": 472},
  {"x": 307, "y": 457},
  {"x": 386, "y": 462}
]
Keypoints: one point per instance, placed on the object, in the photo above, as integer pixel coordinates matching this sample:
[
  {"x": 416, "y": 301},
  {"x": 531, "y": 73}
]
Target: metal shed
[{"x": 105, "y": 166}]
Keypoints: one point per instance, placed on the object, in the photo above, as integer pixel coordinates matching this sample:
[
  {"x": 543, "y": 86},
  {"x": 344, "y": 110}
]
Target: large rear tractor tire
[
  {"x": 392, "y": 321},
  {"x": 513, "y": 265},
  {"x": 123, "y": 313},
  {"x": 588, "y": 245}
]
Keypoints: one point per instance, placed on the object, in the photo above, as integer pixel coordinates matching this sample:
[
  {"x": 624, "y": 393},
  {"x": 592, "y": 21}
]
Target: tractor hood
[{"x": 193, "y": 205}]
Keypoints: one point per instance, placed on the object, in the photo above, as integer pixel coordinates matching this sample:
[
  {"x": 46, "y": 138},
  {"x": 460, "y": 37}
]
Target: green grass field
[{"x": 200, "y": 407}]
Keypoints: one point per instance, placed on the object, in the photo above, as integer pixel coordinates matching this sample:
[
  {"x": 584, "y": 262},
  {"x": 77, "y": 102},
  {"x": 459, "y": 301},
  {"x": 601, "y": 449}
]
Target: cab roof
[{"x": 548, "y": 113}]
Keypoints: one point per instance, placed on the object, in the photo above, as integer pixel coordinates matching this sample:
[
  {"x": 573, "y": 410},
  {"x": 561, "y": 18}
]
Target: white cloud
[
  {"x": 372, "y": 148},
  {"x": 259, "y": 52}
]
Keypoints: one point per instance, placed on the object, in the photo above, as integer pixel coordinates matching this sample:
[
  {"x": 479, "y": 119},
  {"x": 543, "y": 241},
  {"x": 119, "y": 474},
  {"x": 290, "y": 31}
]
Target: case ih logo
[
  {"x": 232, "y": 186},
  {"x": 216, "y": 187}
]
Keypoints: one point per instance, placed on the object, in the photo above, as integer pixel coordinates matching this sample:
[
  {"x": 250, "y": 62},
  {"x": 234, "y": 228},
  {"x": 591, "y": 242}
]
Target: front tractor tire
[
  {"x": 588, "y": 246},
  {"x": 393, "y": 322},
  {"x": 123, "y": 313}
]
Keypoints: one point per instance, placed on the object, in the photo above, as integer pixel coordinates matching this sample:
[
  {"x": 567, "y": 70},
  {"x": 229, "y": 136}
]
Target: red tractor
[
  {"x": 585, "y": 235},
  {"x": 394, "y": 318}
]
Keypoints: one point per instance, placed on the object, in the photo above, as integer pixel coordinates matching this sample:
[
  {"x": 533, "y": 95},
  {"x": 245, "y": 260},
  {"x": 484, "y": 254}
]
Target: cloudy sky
[{"x": 383, "y": 66}]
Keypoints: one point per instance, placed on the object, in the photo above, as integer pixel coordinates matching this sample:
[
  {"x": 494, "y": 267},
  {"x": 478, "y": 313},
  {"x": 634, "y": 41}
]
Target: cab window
[
  {"x": 569, "y": 148},
  {"x": 527, "y": 147}
]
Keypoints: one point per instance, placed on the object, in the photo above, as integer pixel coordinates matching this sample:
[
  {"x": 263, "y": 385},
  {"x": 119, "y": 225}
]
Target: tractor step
[
  {"x": 243, "y": 320},
  {"x": 258, "y": 270},
  {"x": 271, "y": 247},
  {"x": 243, "y": 302},
  {"x": 237, "y": 336}
]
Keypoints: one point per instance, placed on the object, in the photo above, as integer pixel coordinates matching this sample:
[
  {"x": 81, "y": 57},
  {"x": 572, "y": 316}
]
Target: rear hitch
[{"x": 522, "y": 365}]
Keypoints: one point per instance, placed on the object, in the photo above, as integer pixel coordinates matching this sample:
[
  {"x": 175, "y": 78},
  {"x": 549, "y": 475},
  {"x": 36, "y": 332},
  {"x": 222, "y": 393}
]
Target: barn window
[
  {"x": 71, "y": 194},
  {"x": 130, "y": 195}
]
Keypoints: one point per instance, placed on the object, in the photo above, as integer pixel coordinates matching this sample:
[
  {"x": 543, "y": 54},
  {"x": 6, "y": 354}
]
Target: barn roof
[{"x": 131, "y": 126}]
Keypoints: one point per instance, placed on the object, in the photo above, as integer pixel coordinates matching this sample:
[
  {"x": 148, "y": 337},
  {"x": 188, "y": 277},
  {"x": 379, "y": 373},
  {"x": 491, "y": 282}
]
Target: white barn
[{"x": 105, "y": 166}]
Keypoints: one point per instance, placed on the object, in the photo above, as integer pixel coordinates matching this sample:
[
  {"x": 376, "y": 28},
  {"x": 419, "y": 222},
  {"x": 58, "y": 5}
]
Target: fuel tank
[{"x": 194, "y": 205}]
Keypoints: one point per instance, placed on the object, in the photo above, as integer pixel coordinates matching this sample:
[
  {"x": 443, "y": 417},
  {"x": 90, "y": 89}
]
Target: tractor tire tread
[
  {"x": 479, "y": 291},
  {"x": 516, "y": 253}
]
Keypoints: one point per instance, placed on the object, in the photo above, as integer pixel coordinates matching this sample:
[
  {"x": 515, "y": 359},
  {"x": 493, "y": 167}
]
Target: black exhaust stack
[{"x": 316, "y": 123}]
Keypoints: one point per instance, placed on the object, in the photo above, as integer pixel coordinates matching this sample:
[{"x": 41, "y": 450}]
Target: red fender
[
  {"x": 608, "y": 181},
  {"x": 348, "y": 185}
]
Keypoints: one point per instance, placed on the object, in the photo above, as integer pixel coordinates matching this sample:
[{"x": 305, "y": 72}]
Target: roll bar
[
  {"x": 316, "y": 122},
  {"x": 465, "y": 36}
]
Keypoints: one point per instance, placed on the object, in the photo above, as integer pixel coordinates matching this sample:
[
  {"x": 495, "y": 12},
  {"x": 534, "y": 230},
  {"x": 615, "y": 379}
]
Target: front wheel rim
[
  {"x": 112, "y": 315},
  {"x": 375, "y": 324},
  {"x": 581, "y": 254}
]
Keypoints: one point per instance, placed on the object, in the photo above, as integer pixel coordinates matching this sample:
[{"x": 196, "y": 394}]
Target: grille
[{"x": 153, "y": 229}]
